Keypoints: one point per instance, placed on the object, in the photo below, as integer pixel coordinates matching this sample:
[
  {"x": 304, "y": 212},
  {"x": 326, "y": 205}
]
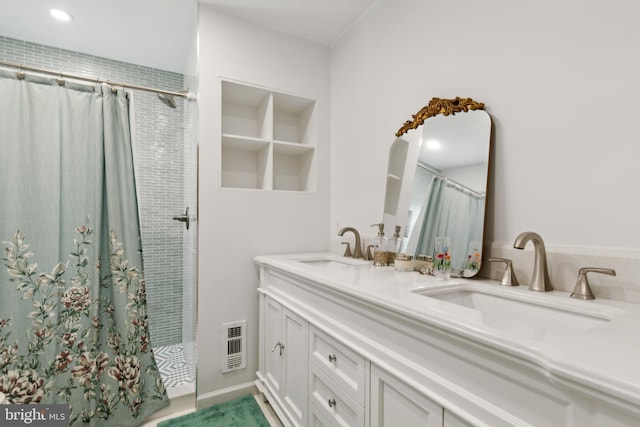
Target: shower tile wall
[{"x": 160, "y": 146}]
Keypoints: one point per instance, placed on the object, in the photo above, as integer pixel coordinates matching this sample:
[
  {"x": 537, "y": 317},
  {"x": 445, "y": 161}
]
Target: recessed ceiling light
[
  {"x": 61, "y": 15},
  {"x": 434, "y": 144}
]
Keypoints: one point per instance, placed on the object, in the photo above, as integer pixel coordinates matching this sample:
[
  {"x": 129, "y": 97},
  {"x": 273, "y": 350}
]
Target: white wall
[
  {"x": 236, "y": 225},
  {"x": 560, "y": 80}
]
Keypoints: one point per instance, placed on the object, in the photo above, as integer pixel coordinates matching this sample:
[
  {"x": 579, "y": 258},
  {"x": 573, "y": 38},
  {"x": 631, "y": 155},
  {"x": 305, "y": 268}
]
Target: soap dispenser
[
  {"x": 393, "y": 246},
  {"x": 379, "y": 247}
]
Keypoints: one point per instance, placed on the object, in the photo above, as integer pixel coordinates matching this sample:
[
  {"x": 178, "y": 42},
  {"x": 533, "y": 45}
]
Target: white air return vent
[{"x": 234, "y": 336}]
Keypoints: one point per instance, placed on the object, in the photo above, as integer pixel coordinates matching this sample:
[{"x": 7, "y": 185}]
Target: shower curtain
[
  {"x": 454, "y": 212},
  {"x": 73, "y": 323}
]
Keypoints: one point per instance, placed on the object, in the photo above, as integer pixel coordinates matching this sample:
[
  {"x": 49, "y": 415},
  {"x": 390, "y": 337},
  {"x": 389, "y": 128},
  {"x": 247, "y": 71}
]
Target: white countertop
[{"x": 605, "y": 356}]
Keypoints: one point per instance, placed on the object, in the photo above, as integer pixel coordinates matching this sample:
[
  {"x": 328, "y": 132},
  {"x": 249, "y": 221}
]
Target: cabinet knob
[
  {"x": 278, "y": 344},
  {"x": 332, "y": 403},
  {"x": 332, "y": 358}
]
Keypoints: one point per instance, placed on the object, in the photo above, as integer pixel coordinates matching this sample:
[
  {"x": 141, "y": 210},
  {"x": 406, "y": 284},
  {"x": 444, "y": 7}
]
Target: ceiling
[{"x": 161, "y": 33}]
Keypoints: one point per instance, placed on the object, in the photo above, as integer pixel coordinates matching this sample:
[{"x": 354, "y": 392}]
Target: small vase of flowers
[{"x": 442, "y": 258}]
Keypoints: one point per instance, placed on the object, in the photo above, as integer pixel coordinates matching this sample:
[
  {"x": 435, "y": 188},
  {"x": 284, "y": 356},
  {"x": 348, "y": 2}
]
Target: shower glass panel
[{"x": 166, "y": 164}]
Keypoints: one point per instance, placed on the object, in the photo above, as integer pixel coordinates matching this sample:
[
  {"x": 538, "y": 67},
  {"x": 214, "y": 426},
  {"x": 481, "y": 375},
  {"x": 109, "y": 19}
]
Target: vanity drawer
[
  {"x": 330, "y": 404},
  {"x": 317, "y": 417},
  {"x": 342, "y": 365}
]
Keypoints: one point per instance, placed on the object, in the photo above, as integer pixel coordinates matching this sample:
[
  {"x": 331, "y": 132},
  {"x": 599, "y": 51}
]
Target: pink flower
[
  {"x": 69, "y": 339},
  {"x": 7, "y": 355},
  {"x": 22, "y": 386},
  {"x": 89, "y": 368},
  {"x": 63, "y": 359},
  {"x": 127, "y": 371},
  {"x": 76, "y": 298}
]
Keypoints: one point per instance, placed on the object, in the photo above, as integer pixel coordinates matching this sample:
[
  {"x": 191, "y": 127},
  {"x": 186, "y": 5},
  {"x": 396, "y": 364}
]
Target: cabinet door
[
  {"x": 273, "y": 361},
  {"x": 296, "y": 362},
  {"x": 286, "y": 361},
  {"x": 393, "y": 403}
]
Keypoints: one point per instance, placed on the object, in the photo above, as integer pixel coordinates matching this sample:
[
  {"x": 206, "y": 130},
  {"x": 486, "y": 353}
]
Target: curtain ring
[
  {"x": 20, "y": 74},
  {"x": 61, "y": 80},
  {"x": 113, "y": 89}
]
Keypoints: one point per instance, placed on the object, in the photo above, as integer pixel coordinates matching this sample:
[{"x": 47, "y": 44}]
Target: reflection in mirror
[{"x": 437, "y": 181}]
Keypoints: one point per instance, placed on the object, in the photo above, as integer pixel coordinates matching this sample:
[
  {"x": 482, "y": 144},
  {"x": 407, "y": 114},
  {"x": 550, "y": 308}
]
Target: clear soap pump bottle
[
  {"x": 380, "y": 247},
  {"x": 393, "y": 246}
]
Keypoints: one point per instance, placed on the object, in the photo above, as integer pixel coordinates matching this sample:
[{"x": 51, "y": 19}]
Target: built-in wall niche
[
  {"x": 268, "y": 139},
  {"x": 395, "y": 172}
]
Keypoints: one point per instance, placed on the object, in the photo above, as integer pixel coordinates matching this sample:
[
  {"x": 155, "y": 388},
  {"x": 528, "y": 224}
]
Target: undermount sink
[
  {"x": 333, "y": 261},
  {"x": 522, "y": 312}
]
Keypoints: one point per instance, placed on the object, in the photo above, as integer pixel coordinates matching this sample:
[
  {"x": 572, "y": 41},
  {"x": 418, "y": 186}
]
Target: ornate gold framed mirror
[{"x": 437, "y": 181}]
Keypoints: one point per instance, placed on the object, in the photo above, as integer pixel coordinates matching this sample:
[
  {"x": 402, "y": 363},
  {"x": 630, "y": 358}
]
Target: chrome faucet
[
  {"x": 357, "y": 253},
  {"x": 540, "y": 280}
]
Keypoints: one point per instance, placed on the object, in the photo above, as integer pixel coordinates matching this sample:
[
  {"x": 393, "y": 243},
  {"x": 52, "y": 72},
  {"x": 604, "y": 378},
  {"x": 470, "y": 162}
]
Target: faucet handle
[
  {"x": 347, "y": 251},
  {"x": 369, "y": 253},
  {"x": 509, "y": 276},
  {"x": 582, "y": 289}
]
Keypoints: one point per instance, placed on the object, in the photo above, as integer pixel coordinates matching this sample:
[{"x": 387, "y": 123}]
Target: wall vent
[{"x": 234, "y": 335}]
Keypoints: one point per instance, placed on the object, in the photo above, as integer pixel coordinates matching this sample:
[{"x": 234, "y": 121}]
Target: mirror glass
[{"x": 436, "y": 186}]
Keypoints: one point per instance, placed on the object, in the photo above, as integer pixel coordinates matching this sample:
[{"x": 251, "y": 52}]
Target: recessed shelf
[
  {"x": 238, "y": 142},
  {"x": 246, "y": 111},
  {"x": 290, "y": 148},
  {"x": 395, "y": 172},
  {"x": 398, "y": 157},
  {"x": 291, "y": 167},
  {"x": 268, "y": 139},
  {"x": 291, "y": 116},
  {"x": 244, "y": 168}
]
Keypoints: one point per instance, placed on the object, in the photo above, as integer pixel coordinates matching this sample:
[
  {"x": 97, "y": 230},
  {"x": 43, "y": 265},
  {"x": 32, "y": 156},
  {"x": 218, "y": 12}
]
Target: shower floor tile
[{"x": 173, "y": 366}]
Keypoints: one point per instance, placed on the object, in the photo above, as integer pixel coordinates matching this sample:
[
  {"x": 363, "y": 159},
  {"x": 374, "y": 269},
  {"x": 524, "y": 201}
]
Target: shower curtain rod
[
  {"x": 450, "y": 181},
  {"x": 22, "y": 67},
  {"x": 463, "y": 188}
]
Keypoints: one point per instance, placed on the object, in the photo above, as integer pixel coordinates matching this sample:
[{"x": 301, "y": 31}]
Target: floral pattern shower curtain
[{"x": 73, "y": 322}]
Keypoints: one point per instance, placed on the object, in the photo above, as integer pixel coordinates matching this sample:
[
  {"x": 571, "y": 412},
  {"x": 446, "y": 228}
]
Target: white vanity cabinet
[
  {"x": 285, "y": 361},
  {"x": 352, "y": 358}
]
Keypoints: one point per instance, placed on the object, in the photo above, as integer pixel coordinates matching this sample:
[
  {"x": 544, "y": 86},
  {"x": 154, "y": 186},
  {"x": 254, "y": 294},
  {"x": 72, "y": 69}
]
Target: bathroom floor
[
  {"x": 174, "y": 371},
  {"x": 173, "y": 366},
  {"x": 268, "y": 412}
]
